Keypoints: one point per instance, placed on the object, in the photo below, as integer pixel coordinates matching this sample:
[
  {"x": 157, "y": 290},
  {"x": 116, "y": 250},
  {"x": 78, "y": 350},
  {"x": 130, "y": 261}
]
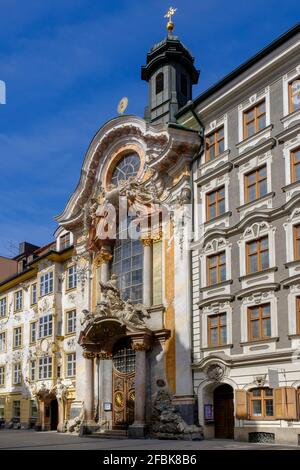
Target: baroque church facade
[{"x": 168, "y": 303}]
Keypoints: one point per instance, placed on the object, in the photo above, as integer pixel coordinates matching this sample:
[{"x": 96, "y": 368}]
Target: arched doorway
[
  {"x": 224, "y": 412},
  {"x": 53, "y": 415},
  {"x": 123, "y": 384}
]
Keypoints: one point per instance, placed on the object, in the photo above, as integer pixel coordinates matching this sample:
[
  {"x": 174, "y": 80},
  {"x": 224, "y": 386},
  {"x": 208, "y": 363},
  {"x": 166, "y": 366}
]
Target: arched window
[
  {"x": 159, "y": 83},
  {"x": 261, "y": 403},
  {"x": 294, "y": 95},
  {"x": 128, "y": 166}
]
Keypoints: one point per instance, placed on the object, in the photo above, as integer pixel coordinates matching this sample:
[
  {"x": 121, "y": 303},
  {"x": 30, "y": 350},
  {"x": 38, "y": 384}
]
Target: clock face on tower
[{"x": 128, "y": 166}]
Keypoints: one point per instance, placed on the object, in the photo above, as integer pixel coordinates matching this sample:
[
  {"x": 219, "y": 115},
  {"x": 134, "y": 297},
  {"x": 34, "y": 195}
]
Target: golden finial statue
[{"x": 169, "y": 14}]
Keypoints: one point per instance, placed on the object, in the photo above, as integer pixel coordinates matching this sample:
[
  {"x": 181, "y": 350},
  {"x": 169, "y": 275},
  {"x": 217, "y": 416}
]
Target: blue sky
[{"x": 66, "y": 64}]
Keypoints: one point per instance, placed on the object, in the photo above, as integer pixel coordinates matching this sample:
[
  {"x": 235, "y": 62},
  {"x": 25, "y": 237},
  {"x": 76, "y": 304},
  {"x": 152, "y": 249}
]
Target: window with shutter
[
  {"x": 241, "y": 404},
  {"x": 285, "y": 403}
]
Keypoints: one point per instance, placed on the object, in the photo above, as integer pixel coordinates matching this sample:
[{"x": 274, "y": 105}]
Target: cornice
[
  {"x": 214, "y": 173},
  {"x": 253, "y": 152},
  {"x": 267, "y": 215},
  {"x": 215, "y": 299},
  {"x": 270, "y": 286}
]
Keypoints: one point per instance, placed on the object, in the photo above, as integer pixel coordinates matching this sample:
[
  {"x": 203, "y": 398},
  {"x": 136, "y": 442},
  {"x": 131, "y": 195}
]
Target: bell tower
[{"x": 171, "y": 73}]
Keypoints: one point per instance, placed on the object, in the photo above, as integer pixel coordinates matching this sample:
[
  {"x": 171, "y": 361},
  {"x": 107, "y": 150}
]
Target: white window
[
  {"x": 65, "y": 241},
  {"x": 17, "y": 374},
  {"x": 2, "y": 342},
  {"x": 33, "y": 332},
  {"x": 46, "y": 284},
  {"x": 19, "y": 300},
  {"x": 3, "y": 307},
  {"x": 45, "y": 368},
  {"x": 45, "y": 326},
  {"x": 71, "y": 321},
  {"x": 71, "y": 277},
  {"x": 2, "y": 376},
  {"x": 17, "y": 342},
  {"x": 32, "y": 369},
  {"x": 33, "y": 294},
  {"x": 71, "y": 365}
]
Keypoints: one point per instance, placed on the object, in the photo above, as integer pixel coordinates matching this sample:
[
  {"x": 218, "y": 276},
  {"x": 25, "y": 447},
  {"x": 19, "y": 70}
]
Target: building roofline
[{"x": 240, "y": 69}]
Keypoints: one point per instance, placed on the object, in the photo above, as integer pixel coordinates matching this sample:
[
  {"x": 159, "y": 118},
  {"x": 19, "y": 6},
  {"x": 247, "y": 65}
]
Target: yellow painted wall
[{"x": 169, "y": 313}]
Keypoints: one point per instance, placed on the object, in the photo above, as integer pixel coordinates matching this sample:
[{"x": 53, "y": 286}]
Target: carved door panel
[
  {"x": 123, "y": 400},
  {"x": 123, "y": 386}
]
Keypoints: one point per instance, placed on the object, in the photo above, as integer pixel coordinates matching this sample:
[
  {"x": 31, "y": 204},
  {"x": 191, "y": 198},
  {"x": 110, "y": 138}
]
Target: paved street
[{"x": 32, "y": 440}]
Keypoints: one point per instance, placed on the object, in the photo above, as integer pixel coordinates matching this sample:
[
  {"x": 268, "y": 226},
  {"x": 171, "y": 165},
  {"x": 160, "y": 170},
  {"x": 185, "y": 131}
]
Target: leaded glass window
[
  {"x": 128, "y": 266},
  {"x": 128, "y": 166},
  {"x": 124, "y": 358}
]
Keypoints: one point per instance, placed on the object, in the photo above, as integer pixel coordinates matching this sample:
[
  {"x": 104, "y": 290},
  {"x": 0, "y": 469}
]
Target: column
[
  {"x": 107, "y": 392},
  {"x": 89, "y": 387},
  {"x": 104, "y": 260},
  {"x": 139, "y": 428},
  {"x": 147, "y": 272}
]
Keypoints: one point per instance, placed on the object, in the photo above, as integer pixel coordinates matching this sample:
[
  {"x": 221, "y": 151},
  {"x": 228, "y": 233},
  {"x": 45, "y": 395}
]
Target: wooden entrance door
[
  {"x": 123, "y": 385},
  {"x": 224, "y": 412},
  {"x": 53, "y": 415}
]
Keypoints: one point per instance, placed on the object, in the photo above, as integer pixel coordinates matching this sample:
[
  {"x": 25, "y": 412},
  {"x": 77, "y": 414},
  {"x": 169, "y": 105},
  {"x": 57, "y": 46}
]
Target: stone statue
[
  {"x": 167, "y": 422},
  {"x": 113, "y": 306},
  {"x": 60, "y": 390},
  {"x": 73, "y": 425}
]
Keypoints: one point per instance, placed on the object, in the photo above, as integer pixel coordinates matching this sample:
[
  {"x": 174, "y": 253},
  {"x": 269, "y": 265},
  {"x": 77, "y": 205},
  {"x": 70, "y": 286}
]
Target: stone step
[{"x": 110, "y": 434}]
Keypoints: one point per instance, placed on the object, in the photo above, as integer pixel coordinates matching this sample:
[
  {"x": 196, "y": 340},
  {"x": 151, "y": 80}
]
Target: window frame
[
  {"x": 45, "y": 367},
  {"x": 32, "y": 368},
  {"x": 17, "y": 369},
  {"x": 217, "y": 202},
  {"x": 47, "y": 280},
  {"x": 2, "y": 375},
  {"x": 263, "y": 398},
  {"x": 218, "y": 328},
  {"x": 73, "y": 320},
  {"x": 159, "y": 83},
  {"x": 260, "y": 319},
  {"x": 298, "y": 315},
  {"x": 293, "y": 164},
  {"x": 257, "y": 183},
  {"x": 72, "y": 276},
  {"x": 63, "y": 245},
  {"x": 255, "y": 120},
  {"x": 18, "y": 299},
  {"x": 13, "y": 409},
  {"x": 44, "y": 325},
  {"x": 71, "y": 363},
  {"x": 218, "y": 267},
  {"x": 258, "y": 253},
  {"x": 3, "y": 299},
  {"x": 215, "y": 144},
  {"x": 20, "y": 336},
  {"x": 290, "y": 93},
  {"x": 33, "y": 325},
  {"x": 4, "y": 334},
  {"x": 33, "y": 292},
  {"x": 296, "y": 237}
]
